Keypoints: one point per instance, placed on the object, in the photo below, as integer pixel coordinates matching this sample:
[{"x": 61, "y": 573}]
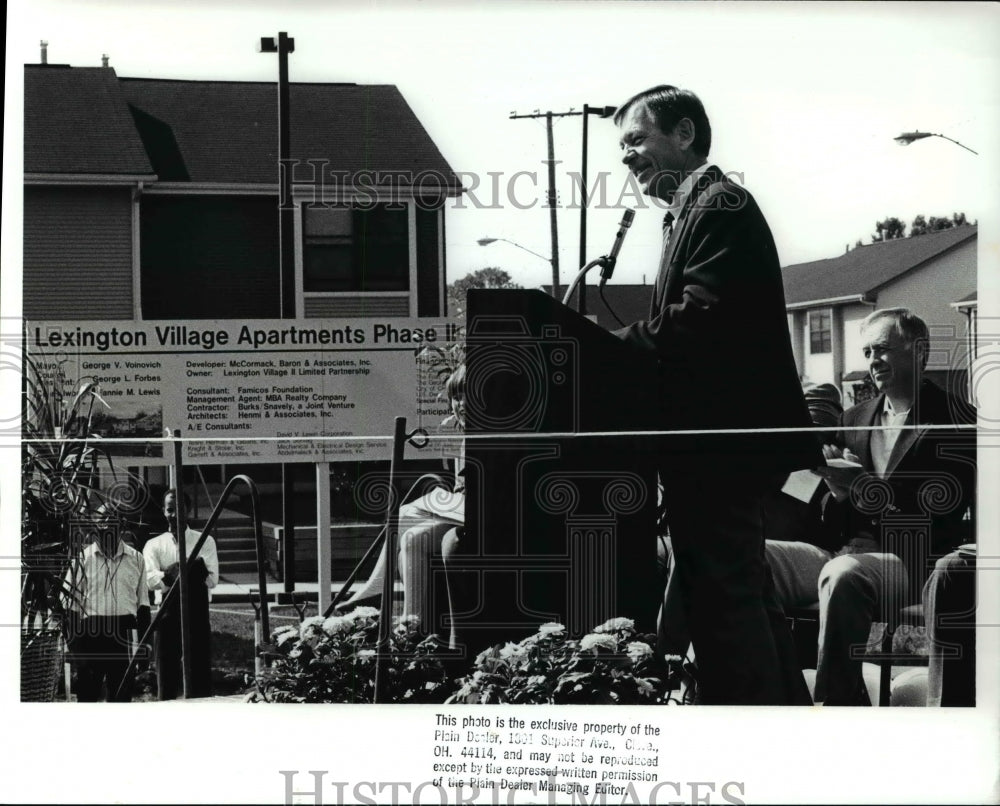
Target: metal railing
[{"x": 258, "y": 534}]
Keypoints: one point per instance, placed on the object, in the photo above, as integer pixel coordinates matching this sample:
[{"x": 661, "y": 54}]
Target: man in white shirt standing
[
  {"x": 161, "y": 556},
  {"x": 106, "y": 599}
]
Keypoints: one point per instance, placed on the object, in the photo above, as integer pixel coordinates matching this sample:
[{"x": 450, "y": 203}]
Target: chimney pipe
[
  {"x": 104, "y": 60},
  {"x": 45, "y": 52}
]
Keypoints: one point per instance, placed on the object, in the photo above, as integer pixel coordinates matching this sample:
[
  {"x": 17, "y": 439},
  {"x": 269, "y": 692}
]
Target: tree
[
  {"x": 889, "y": 230},
  {"x": 920, "y": 226},
  {"x": 488, "y": 277}
]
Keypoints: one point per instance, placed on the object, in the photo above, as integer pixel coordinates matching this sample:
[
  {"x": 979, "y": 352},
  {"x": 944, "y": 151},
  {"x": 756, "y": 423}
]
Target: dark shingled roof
[
  {"x": 87, "y": 120},
  {"x": 77, "y": 122},
  {"x": 225, "y": 131},
  {"x": 866, "y": 268},
  {"x": 973, "y": 297}
]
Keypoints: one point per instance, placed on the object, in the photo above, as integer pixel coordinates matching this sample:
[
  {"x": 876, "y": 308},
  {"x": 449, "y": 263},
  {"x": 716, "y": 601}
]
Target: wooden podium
[{"x": 560, "y": 512}]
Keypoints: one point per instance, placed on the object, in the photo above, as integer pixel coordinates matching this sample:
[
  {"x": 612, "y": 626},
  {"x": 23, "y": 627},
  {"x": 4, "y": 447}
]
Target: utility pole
[
  {"x": 604, "y": 112},
  {"x": 551, "y": 194},
  {"x": 552, "y": 206}
]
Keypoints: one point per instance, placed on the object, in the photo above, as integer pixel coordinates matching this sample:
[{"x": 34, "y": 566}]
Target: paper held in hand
[{"x": 843, "y": 464}]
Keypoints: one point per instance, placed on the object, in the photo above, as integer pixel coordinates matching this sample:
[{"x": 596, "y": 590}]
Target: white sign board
[{"x": 263, "y": 391}]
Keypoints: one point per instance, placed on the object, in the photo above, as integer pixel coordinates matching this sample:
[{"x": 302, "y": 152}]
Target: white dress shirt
[
  {"x": 684, "y": 190},
  {"x": 161, "y": 552},
  {"x": 884, "y": 439},
  {"x": 103, "y": 585}
]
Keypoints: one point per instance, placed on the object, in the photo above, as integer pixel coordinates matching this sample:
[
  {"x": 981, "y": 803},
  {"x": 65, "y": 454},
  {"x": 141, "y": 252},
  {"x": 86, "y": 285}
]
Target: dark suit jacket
[
  {"x": 917, "y": 510},
  {"x": 718, "y": 325}
]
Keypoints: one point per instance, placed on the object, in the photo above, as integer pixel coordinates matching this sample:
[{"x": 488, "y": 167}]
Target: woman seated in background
[{"x": 427, "y": 539}]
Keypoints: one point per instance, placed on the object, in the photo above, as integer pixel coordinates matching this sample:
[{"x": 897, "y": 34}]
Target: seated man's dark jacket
[{"x": 918, "y": 510}]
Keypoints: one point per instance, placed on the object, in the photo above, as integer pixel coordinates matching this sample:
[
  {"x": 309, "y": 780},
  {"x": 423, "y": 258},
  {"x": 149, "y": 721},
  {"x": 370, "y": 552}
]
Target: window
[
  {"x": 819, "y": 332},
  {"x": 356, "y": 250},
  {"x": 209, "y": 257}
]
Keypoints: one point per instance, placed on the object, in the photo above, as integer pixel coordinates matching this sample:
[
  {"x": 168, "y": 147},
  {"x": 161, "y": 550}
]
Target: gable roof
[
  {"x": 227, "y": 131},
  {"x": 863, "y": 270},
  {"x": 219, "y": 131},
  {"x": 76, "y": 121}
]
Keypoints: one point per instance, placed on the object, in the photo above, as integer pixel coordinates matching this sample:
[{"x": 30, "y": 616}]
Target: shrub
[
  {"x": 333, "y": 660},
  {"x": 611, "y": 665}
]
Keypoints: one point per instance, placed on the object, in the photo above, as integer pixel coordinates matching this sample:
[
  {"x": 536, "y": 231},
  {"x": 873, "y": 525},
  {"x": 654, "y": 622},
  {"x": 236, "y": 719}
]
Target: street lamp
[
  {"x": 555, "y": 288},
  {"x": 911, "y": 137},
  {"x": 488, "y": 241},
  {"x": 283, "y": 45}
]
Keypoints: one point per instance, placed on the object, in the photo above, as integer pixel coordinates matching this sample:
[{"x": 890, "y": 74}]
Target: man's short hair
[
  {"x": 186, "y": 498},
  {"x": 909, "y": 327},
  {"x": 669, "y": 105}
]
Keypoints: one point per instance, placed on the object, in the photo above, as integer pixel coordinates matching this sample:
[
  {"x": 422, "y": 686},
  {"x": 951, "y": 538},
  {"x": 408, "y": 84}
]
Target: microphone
[{"x": 608, "y": 263}]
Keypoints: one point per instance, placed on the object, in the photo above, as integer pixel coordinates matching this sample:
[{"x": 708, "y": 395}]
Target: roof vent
[
  {"x": 45, "y": 52},
  {"x": 104, "y": 60}
]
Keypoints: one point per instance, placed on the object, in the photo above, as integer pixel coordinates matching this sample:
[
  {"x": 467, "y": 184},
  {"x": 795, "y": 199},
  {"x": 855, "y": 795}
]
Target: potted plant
[{"x": 60, "y": 499}]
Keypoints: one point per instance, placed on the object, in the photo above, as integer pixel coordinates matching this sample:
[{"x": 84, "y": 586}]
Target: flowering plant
[
  {"x": 611, "y": 665},
  {"x": 333, "y": 660}
]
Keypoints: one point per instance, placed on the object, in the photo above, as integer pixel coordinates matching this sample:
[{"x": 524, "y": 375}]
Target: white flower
[
  {"x": 596, "y": 641},
  {"x": 366, "y": 653},
  {"x": 407, "y": 621},
  {"x": 310, "y": 625},
  {"x": 336, "y": 625},
  {"x": 363, "y": 612},
  {"x": 551, "y": 628},
  {"x": 511, "y": 650},
  {"x": 288, "y": 635},
  {"x": 638, "y": 651},
  {"x": 615, "y": 624}
]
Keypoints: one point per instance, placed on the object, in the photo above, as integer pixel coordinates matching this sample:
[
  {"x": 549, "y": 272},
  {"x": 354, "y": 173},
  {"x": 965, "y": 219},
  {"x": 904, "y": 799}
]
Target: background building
[
  {"x": 150, "y": 199},
  {"x": 157, "y": 199},
  {"x": 933, "y": 274}
]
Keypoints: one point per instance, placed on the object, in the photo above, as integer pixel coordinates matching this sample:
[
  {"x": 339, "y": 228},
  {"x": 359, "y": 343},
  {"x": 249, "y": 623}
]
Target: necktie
[
  {"x": 661, "y": 277},
  {"x": 668, "y": 222}
]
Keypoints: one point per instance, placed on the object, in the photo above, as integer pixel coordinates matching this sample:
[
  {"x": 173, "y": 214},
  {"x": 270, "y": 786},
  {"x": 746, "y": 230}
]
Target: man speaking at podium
[{"x": 718, "y": 327}]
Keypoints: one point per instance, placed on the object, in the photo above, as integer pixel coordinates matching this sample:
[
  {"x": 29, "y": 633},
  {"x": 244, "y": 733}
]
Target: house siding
[
  {"x": 929, "y": 291},
  {"x": 344, "y": 305},
  {"x": 854, "y": 359},
  {"x": 77, "y": 253}
]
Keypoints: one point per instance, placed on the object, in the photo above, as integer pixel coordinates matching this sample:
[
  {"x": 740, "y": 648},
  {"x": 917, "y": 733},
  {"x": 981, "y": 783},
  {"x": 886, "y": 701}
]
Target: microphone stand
[{"x": 607, "y": 264}]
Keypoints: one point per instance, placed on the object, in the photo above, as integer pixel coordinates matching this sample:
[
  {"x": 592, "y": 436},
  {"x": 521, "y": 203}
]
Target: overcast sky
[{"x": 804, "y": 99}]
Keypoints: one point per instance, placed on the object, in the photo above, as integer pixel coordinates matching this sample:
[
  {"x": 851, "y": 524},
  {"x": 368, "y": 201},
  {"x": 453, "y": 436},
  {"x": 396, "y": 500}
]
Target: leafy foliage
[
  {"x": 889, "y": 230},
  {"x": 613, "y": 665},
  {"x": 488, "y": 277},
  {"x": 920, "y": 226},
  {"x": 60, "y": 497},
  {"x": 333, "y": 660},
  {"x": 892, "y": 228}
]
